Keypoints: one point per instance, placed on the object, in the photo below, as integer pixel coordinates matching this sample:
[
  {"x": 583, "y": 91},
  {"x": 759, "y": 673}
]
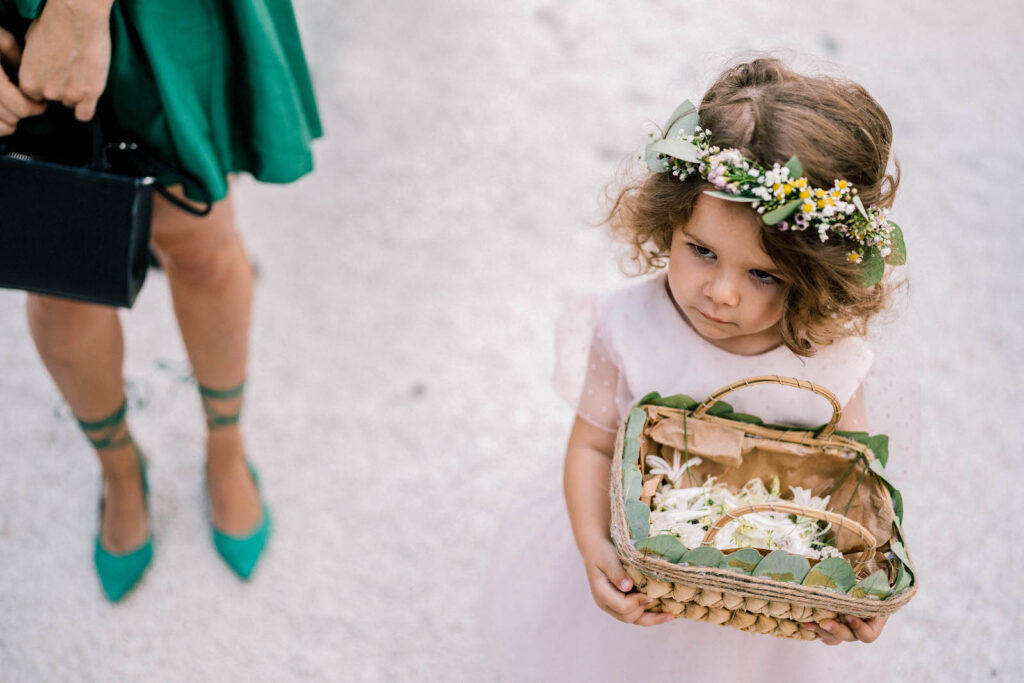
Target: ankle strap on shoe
[
  {"x": 217, "y": 418},
  {"x": 110, "y": 426}
]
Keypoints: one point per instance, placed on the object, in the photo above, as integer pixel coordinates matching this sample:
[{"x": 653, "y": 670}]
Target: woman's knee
[
  {"x": 62, "y": 324},
  {"x": 199, "y": 250}
]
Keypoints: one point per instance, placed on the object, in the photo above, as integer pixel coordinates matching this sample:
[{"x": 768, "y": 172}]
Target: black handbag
[{"x": 76, "y": 207}]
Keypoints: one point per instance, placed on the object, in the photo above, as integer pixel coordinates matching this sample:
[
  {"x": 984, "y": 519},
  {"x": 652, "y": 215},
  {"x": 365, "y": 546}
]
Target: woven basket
[{"x": 869, "y": 535}]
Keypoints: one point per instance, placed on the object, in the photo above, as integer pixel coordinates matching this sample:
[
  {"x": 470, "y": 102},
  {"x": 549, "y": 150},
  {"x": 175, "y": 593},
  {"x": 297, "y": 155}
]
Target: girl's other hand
[
  {"x": 833, "y": 632},
  {"x": 67, "y": 55},
  {"x": 610, "y": 585},
  {"x": 14, "y": 106}
]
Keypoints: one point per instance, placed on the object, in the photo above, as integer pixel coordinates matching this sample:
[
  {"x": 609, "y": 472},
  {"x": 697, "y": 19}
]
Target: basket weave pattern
[{"x": 750, "y": 603}]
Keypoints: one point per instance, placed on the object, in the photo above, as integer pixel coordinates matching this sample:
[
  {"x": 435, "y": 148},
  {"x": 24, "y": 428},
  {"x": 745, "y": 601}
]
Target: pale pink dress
[{"x": 538, "y": 618}]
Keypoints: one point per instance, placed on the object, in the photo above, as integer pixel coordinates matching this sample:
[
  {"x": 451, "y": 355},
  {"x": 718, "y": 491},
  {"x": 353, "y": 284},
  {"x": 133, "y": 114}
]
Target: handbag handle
[
  {"x": 826, "y": 431},
  {"x": 833, "y": 518}
]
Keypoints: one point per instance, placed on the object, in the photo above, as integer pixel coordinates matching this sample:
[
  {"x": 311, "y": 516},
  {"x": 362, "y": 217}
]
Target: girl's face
[{"x": 725, "y": 285}]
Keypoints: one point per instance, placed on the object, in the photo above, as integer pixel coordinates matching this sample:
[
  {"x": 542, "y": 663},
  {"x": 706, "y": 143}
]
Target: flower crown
[{"x": 781, "y": 195}]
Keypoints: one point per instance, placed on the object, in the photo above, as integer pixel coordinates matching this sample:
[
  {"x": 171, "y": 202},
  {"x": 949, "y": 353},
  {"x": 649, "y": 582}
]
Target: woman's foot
[
  {"x": 234, "y": 499},
  {"x": 124, "y": 524}
]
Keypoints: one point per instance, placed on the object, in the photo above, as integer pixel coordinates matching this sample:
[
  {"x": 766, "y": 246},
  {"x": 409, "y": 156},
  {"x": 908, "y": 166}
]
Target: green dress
[{"x": 212, "y": 86}]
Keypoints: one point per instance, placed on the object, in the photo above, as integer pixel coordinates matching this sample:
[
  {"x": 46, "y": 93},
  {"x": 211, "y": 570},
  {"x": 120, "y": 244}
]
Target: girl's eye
[
  {"x": 702, "y": 252},
  {"x": 762, "y": 276}
]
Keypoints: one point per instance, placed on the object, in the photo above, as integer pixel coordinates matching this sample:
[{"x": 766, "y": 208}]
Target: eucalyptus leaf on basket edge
[
  {"x": 703, "y": 556},
  {"x": 876, "y": 585},
  {"x": 783, "y": 566},
  {"x": 664, "y": 545},
  {"x": 743, "y": 561},
  {"x": 632, "y": 482},
  {"x": 639, "y": 517},
  {"x": 833, "y": 573},
  {"x": 635, "y": 423}
]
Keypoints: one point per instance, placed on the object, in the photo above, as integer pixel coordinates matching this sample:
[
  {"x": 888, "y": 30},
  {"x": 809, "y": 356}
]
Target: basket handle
[
  {"x": 833, "y": 518},
  {"x": 827, "y": 430}
]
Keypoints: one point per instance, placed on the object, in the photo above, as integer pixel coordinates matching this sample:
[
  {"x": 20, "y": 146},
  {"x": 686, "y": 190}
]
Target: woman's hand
[
  {"x": 610, "y": 585},
  {"x": 67, "y": 55},
  {"x": 833, "y": 632},
  {"x": 14, "y": 106}
]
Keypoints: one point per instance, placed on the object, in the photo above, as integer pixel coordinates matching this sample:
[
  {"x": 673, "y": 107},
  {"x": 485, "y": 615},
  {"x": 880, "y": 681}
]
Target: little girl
[{"x": 763, "y": 267}]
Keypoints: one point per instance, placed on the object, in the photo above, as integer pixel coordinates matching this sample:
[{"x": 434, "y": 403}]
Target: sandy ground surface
[{"x": 403, "y": 340}]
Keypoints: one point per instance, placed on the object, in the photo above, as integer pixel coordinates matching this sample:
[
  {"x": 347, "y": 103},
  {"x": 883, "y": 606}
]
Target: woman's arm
[
  {"x": 848, "y": 628},
  {"x": 587, "y": 468},
  {"x": 67, "y": 55}
]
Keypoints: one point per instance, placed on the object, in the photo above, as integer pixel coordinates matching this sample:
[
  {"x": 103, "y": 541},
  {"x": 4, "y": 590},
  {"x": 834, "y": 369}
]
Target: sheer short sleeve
[{"x": 588, "y": 374}]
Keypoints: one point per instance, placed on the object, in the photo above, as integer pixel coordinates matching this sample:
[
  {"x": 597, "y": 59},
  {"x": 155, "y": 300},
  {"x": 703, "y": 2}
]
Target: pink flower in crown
[{"x": 801, "y": 221}]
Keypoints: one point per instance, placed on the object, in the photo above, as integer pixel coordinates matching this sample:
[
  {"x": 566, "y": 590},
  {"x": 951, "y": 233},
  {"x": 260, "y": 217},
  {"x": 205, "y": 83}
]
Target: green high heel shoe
[
  {"x": 118, "y": 572},
  {"x": 241, "y": 552}
]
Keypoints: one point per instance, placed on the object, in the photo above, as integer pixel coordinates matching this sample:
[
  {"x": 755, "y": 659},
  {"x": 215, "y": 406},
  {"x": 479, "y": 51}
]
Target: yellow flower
[
  {"x": 804, "y": 194},
  {"x": 853, "y": 256},
  {"x": 842, "y": 184},
  {"x": 775, "y": 187},
  {"x": 819, "y": 192},
  {"x": 808, "y": 207},
  {"x": 787, "y": 189},
  {"x": 801, "y": 182},
  {"x": 821, "y": 203}
]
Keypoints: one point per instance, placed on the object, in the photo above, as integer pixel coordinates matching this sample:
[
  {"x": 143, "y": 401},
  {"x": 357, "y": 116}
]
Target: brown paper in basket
[{"x": 735, "y": 459}]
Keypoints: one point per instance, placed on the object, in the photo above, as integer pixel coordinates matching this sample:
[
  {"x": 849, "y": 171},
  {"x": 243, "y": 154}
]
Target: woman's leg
[
  {"x": 82, "y": 347},
  {"x": 211, "y": 284}
]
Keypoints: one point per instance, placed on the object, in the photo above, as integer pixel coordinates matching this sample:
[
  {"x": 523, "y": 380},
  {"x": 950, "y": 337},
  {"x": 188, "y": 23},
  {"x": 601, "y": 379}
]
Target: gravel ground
[{"x": 403, "y": 335}]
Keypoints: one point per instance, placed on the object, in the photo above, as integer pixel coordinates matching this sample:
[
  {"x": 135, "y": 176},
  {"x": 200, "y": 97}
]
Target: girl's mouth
[{"x": 711, "y": 317}]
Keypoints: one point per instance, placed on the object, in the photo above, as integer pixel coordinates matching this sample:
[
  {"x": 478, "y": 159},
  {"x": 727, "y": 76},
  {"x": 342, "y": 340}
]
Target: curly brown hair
[{"x": 770, "y": 113}]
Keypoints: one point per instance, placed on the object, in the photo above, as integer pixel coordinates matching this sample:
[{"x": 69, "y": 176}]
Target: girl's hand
[
  {"x": 833, "y": 632},
  {"x": 14, "y": 106},
  {"x": 67, "y": 55},
  {"x": 610, "y": 585}
]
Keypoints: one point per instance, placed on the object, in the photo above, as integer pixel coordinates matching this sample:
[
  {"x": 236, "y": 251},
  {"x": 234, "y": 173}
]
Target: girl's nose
[{"x": 722, "y": 290}]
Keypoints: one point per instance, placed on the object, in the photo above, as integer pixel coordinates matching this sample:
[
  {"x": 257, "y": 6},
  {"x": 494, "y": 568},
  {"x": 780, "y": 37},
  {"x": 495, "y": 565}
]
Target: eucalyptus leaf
[
  {"x": 897, "y": 504},
  {"x": 879, "y": 445},
  {"x": 677, "y": 149},
  {"x": 744, "y": 417},
  {"x": 782, "y": 213},
  {"x": 730, "y": 197},
  {"x": 656, "y": 162},
  {"x": 743, "y": 561},
  {"x": 900, "y": 551},
  {"x": 703, "y": 556},
  {"x": 878, "y": 468},
  {"x": 903, "y": 580},
  {"x": 639, "y": 517},
  {"x": 834, "y": 573},
  {"x": 720, "y": 408},
  {"x": 876, "y": 585},
  {"x": 635, "y": 423},
  {"x": 872, "y": 267},
  {"x": 796, "y": 170},
  {"x": 680, "y": 401},
  {"x": 860, "y": 206},
  {"x": 898, "y": 256},
  {"x": 783, "y": 566},
  {"x": 668, "y": 547},
  {"x": 632, "y": 482},
  {"x": 683, "y": 120},
  {"x": 651, "y": 397},
  {"x": 630, "y": 452}
]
